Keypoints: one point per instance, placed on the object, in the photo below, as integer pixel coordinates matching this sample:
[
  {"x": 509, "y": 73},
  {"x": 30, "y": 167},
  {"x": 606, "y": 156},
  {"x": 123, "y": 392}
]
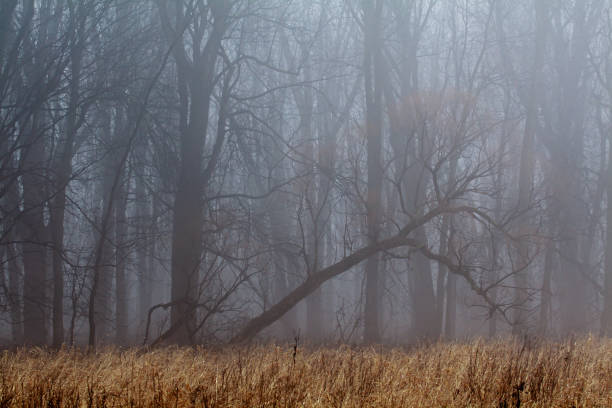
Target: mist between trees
[{"x": 209, "y": 171}]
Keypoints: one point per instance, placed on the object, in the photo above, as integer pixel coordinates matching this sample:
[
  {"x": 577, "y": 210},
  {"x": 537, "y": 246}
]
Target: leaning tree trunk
[{"x": 317, "y": 278}]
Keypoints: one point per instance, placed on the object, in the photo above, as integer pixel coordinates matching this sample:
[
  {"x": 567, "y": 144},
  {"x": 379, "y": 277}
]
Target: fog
[{"x": 343, "y": 171}]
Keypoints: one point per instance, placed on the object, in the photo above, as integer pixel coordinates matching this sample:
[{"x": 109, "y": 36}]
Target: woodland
[{"x": 341, "y": 171}]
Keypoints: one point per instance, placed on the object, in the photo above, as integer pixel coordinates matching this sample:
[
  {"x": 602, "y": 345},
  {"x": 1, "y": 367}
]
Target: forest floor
[{"x": 479, "y": 374}]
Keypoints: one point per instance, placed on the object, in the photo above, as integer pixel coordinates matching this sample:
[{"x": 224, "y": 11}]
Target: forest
[{"x": 180, "y": 172}]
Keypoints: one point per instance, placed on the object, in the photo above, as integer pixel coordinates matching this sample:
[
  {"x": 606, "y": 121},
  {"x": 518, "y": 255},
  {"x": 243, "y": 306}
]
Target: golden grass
[{"x": 478, "y": 374}]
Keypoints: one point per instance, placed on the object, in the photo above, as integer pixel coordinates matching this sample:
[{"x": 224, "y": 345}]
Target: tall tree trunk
[
  {"x": 569, "y": 163},
  {"x": 15, "y": 298},
  {"x": 496, "y": 244},
  {"x": 423, "y": 298},
  {"x": 188, "y": 218},
  {"x": 56, "y": 225},
  {"x": 33, "y": 233},
  {"x": 446, "y": 238},
  {"x": 425, "y": 325},
  {"x": 121, "y": 285},
  {"x": 546, "y": 296},
  {"x": 9, "y": 224},
  {"x": 143, "y": 220},
  {"x": 33, "y": 157},
  {"x": 104, "y": 264},
  {"x": 62, "y": 177},
  {"x": 153, "y": 279},
  {"x": 450, "y": 322},
  {"x": 326, "y": 158},
  {"x": 308, "y": 190},
  {"x": 373, "y": 89},
  {"x": 196, "y": 83},
  {"x": 606, "y": 316},
  {"x": 497, "y": 239},
  {"x": 526, "y": 174},
  {"x": 284, "y": 262},
  {"x": 7, "y": 8},
  {"x": 441, "y": 279}
]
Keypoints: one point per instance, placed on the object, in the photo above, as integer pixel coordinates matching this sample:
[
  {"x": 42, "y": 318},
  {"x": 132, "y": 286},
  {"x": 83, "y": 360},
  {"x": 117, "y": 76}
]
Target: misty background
[{"x": 212, "y": 171}]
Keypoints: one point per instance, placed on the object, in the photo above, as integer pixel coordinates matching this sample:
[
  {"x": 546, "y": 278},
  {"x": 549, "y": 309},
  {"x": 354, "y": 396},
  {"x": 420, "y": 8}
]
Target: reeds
[{"x": 479, "y": 374}]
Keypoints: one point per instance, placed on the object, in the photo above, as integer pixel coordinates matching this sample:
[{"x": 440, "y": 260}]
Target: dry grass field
[{"x": 477, "y": 374}]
